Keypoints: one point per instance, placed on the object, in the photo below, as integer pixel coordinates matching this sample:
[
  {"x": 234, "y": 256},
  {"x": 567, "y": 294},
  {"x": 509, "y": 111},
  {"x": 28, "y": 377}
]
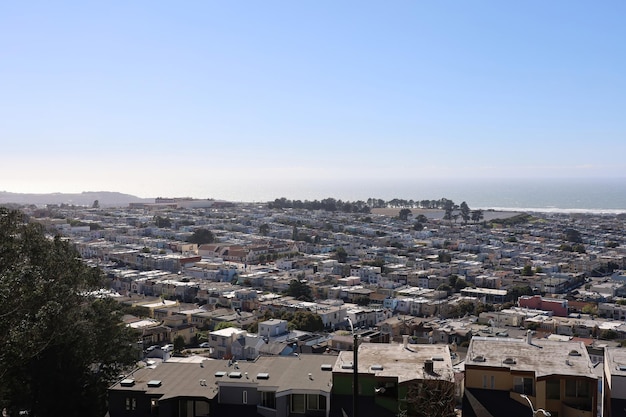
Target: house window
[
  {"x": 268, "y": 399},
  {"x": 245, "y": 397},
  {"x": 297, "y": 403},
  {"x": 553, "y": 389},
  {"x": 201, "y": 408},
  {"x": 131, "y": 403},
  {"x": 315, "y": 402},
  {"x": 577, "y": 388},
  {"x": 523, "y": 385},
  {"x": 484, "y": 381}
]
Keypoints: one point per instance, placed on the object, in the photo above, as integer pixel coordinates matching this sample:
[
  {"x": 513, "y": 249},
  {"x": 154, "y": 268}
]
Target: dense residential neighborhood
[{"x": 255, "y": 309}]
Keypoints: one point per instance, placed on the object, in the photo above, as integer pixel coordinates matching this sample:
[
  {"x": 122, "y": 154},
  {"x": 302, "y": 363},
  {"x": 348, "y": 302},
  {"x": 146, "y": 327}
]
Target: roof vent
[
  {"x": 376, "y": 367},
  {"x": 154, "y": 383},
  {"x": 347, "y": 365},
  {"x": 574, "y": 353},
  {"x": 234, "y": 375},
  {"x": 326, "y": 367},
  {"x": 437, "y": 358},
  {"x": 263, "y": 375},
  {"x": 220, "y": 374},
  {"x": 479, "y": 358},
  {"x": 128, "y": 382},
  {"x": 509, "y": 361}
]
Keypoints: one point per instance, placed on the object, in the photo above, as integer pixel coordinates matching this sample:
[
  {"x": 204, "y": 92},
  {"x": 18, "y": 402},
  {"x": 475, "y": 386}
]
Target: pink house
[{"x": 556, "y": 306}]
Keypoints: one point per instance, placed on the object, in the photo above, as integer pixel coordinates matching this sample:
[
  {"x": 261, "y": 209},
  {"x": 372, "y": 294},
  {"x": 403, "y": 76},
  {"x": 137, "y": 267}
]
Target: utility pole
[{"x": 355, "y": 368}]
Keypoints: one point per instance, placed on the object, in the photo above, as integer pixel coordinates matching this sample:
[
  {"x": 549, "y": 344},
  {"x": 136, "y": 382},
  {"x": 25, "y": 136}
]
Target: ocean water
[{"x": 558, "y": 195}]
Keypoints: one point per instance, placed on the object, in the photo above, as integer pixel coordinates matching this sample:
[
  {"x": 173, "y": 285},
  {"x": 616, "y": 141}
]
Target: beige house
[{"x": 502, "y": 375}]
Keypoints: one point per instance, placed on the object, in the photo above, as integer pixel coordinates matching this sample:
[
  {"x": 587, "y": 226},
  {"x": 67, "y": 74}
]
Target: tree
[
  {"x": 307, "y": 321},
  {"x": 477, "y": 215},
  {"x": 299, "y": 290},
  {"x": 421, "y": 218},
  {"x": 61, "y": 346},
  {"x": 514, "y": 293},
  {"x": 162, "y": 222},
  {"x": 224, "y": 325},
  {"x": 573, "y": 235},
  {"x": 201, "y": 236},
  {"x": 264, "y": 229},
  {"x": 448, "y": 207},
  {"x": 590, "y": 309},
  {"x": 404, "y": 214},
  {"x": 445, "y": 287},
  {"x": 527, "y": 271},
  {"x": 96, "y": 204},
  {"x": 444, "y": 257},
  {"x": 341, "y": 254},
  {"x": 465, "y": 212},
  {"x": 179, "y": 344}
]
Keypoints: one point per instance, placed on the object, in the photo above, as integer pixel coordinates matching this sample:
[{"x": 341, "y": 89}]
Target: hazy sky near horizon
[{"x": 180, "y": 98}]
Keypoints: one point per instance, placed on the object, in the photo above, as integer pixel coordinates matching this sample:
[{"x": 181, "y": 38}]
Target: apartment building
[
  {"x": 503, "y": 375},
  {"x": 614, "y": 389}
]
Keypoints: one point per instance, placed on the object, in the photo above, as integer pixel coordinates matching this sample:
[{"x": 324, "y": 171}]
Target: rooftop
[
  {"x": 203, "y": 379},
  {"x": 543, "y": 357},
  {"x": 396, "y": 360}
]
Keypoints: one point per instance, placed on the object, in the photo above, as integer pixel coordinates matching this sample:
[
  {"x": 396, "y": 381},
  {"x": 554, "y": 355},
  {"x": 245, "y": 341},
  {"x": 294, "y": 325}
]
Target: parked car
[{"x": 204, "y": 345}]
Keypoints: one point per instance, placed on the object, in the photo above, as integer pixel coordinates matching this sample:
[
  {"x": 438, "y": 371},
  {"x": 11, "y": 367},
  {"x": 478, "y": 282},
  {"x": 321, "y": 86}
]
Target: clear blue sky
[{"x": 170, "y": 98}]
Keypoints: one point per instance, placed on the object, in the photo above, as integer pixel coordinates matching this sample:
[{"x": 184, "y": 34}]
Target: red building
[{"x": 556, "y": 306}]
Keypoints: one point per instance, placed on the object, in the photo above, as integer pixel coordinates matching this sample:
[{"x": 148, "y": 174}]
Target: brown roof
[{"x": 184, "y": 379}]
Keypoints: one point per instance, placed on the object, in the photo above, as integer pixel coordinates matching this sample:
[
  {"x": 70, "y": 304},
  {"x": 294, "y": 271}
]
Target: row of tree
[
  {"x": 327, "y": 204},
  {"x": 451, "y": 212},
  {"x": 331, "y": 204}
]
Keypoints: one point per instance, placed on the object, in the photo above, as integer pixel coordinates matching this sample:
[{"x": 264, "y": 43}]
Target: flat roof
[
  {"x": 391, "y": 360},
  {"x": 227, "y": 332},
  {"x": 542, "y": 357},
  {"x": 615, "y": 360},
  {"x": 280, "y": 374}
]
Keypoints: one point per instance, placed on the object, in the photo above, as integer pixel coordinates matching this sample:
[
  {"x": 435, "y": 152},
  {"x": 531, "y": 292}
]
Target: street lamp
[
  {"x": 532, "y": 407},
  {"x": 355, "y": 383}
]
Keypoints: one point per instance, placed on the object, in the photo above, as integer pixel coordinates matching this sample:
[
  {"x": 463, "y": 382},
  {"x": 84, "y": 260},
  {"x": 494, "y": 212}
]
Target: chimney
[
  {"x": 429, "y": 366},
  {"x": 405, "y": 340},
  {"x": 529, "y": 337}
]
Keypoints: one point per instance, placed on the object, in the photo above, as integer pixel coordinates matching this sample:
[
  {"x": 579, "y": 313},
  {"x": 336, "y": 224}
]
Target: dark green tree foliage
[
  {"x": 327, "y": 204},
  {"x": 514, "y": 293},
  {"x": 341, "y": 254},
  {"x": 264, "y": 229},
  {"x": 201, "y": 236},
  {"x": 465, "y": 212},
  {"x": 162, "y": 222},
  {"x": 179, "y": 344},
  {"x": 307, "y": 321},
  {"x": 61, "y": 347},
  {"x": 573, "y": 235},
  {"x": 404, "y": 214},
  {"x": 299, "y": 290},
  {"x": 477, "y": 215}
]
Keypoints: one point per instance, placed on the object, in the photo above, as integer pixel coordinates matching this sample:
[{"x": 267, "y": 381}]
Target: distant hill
[{"x": 86, "y": 198}]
